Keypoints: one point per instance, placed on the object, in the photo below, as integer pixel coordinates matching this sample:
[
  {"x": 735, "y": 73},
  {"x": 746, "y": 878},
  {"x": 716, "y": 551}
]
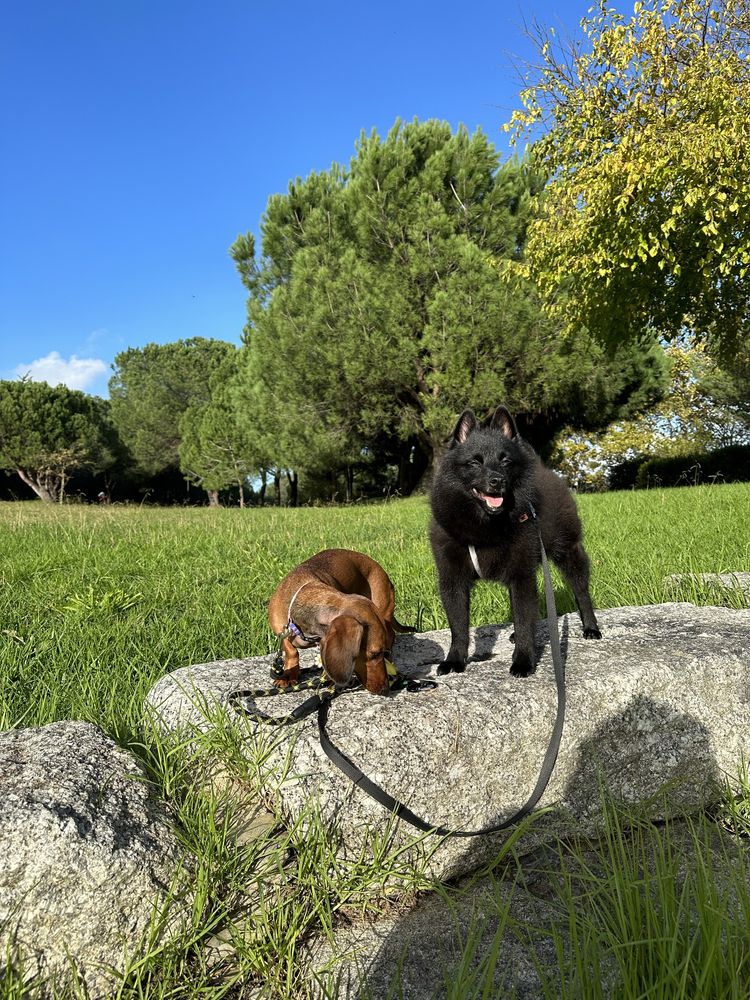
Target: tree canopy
[
  {"x": 376, "y": 313},
  {"x": 218, "y": 448},
  {"x": 151, "y": 389},
  {"x": 643, "y": 127},
  {"x": 47, "y": 432}
]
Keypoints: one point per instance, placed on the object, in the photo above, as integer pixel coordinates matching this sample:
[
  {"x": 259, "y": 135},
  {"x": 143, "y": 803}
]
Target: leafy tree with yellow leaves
[{"x": 644, "y": 131}]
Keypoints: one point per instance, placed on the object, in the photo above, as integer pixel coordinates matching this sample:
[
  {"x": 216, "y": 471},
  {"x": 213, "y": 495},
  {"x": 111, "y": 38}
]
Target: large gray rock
[
  {"x": 87, "y": 857},
  {"x": 659, "y": 710}
]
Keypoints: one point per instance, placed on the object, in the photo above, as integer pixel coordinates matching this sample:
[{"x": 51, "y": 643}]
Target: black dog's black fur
[{"x": 487, "y": 480}]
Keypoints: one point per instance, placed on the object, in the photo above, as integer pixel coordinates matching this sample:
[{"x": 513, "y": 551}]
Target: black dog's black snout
[{"x": 495, "y": 483}]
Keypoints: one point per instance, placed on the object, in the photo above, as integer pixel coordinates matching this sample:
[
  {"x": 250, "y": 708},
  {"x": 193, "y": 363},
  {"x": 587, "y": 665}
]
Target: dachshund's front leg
[{"x": 290, "y": 656}]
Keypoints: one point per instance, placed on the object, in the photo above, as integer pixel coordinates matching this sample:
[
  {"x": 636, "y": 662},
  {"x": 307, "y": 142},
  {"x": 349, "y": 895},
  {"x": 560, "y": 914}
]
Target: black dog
[{"x": 489, "y": 484}]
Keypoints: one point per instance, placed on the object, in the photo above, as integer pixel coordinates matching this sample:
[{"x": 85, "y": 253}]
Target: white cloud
[{"x": 76, "y": 373}]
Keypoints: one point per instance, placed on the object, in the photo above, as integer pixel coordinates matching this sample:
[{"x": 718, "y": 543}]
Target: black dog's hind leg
[
  {"x": 524, "y": 602},
  {"x": 574, "y": 566},
  {"x": 455, "y": 596}
]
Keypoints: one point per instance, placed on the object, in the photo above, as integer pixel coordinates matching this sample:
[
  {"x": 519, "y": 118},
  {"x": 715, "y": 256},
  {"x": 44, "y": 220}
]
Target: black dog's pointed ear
[
  {"x": 466, "y": 424},
  {"x": 502, "y": 421}
]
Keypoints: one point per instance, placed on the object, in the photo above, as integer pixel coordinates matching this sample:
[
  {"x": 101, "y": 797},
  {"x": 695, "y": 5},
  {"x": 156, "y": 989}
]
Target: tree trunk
[
  {"x": 349, "y": 472},
  {"x": 40, "y": 489},
  {"x": 539, "y": 430},
  {"x": 263, "y": 487},
  {"x": 213, "y": 498},
  {"x": 277, "y": 487},
  {"x": 415, "y": 468},
  {"x": 242, "y": 493},
  {"x": 292, "y": 479}
]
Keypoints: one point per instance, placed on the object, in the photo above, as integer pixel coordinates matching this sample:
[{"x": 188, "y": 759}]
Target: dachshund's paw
[
  {"x": 451, "y": 666},
  {"x": 591, "y": 633}
]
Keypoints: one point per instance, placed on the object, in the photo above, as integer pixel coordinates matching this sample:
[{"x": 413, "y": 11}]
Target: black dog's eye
[{"x": 476, "y": 460}]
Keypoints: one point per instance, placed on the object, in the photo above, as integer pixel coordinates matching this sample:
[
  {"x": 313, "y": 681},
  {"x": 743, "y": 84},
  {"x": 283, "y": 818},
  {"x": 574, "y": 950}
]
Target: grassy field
[{"x": 97, "y": 603}]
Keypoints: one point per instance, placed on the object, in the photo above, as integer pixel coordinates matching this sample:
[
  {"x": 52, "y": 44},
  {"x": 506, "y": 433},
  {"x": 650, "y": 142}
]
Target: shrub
[{"x": 726, "y": 465}]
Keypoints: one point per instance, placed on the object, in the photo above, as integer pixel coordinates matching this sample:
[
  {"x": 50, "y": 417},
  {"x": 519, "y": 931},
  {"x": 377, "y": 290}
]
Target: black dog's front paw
[
  {"x": 451, "y": 666},
  {"x": 522, "y": 665},
  {"x": 591, "y": 633}
]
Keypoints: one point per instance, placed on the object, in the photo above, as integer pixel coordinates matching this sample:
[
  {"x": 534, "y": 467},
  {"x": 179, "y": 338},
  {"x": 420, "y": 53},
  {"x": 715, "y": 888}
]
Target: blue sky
[{"x": 140, "y": 138}]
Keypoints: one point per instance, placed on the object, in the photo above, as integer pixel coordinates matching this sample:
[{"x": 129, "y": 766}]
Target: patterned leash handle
[
  {"x": 324, "y": 692},
  {"x": 323, "y": 687}
]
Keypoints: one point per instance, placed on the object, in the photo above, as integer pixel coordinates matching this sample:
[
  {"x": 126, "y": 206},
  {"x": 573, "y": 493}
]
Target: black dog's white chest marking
[
  {"x": 473, "y": 552},
  {"x": 475, "y": 561}
]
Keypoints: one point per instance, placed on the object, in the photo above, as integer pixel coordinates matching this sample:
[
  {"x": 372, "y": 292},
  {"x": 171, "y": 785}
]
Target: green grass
[{"x": 97, "y": 603}]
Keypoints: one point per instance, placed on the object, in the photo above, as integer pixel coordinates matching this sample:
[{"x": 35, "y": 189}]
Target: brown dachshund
[{"x": 345, "y": 601}]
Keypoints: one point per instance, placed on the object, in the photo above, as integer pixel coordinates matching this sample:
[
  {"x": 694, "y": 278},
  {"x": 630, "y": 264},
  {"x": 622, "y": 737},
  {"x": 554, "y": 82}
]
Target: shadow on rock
[
  {"x": 415, "y": 654},
  {"x": 648, "y": 756},
  {"x": 649, "y": 759}
]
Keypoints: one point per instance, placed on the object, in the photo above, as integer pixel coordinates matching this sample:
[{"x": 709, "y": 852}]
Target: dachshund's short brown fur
[{"x": 345, "y": 600}]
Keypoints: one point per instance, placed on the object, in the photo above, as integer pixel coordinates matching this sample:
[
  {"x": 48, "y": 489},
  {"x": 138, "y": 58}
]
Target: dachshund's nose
[{"x": 385, "y": 688}]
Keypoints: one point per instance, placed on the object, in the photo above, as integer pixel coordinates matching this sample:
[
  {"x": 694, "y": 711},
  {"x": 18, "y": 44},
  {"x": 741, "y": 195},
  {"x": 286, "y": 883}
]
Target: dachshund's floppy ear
[
  {"x": 466, "y": 424},
  {"x": 502, "y": 421},
  {"x": 339, "y": 648}
]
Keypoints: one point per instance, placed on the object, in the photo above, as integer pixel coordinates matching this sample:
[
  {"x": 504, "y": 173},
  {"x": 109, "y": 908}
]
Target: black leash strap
[{"x": 353, "y": 772}]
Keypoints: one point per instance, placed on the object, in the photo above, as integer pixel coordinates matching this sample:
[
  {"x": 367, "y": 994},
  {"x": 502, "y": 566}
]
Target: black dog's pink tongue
[{"x": 492, "y": 501}]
